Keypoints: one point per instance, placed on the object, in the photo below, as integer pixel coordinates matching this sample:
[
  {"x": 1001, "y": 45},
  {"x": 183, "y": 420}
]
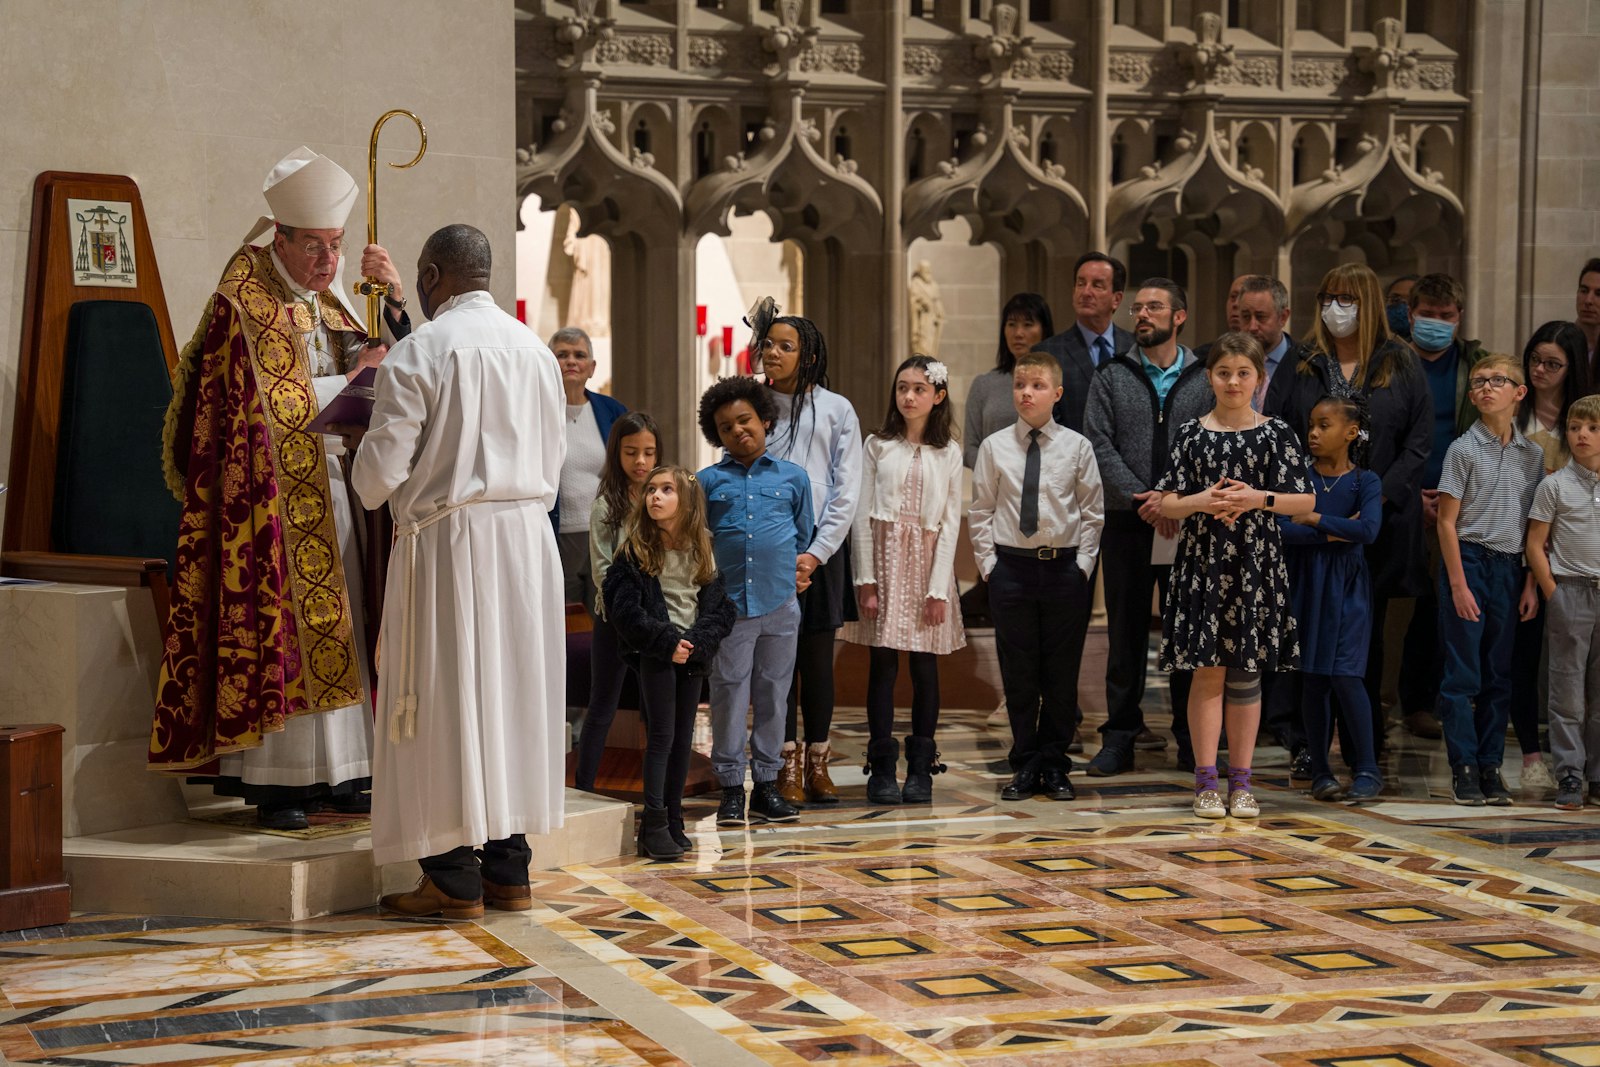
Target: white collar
[{"x": 476, "y": 298}]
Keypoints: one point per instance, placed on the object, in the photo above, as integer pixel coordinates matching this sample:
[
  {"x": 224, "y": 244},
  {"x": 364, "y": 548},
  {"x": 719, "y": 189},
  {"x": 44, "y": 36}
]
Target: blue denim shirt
[{"x": 761, "y": 520}]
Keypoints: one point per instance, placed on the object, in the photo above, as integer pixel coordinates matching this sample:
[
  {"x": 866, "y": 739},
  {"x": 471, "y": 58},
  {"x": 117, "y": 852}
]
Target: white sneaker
[{"x": 1536, "y": 775}]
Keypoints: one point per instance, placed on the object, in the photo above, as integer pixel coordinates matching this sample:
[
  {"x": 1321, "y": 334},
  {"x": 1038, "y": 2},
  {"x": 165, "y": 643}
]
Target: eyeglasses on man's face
[
  {"x": 1494, "y": 381},
  {"x": 318, "y": 250},
  {"x": 1155, "y": 308},
  {"x": 1344, "y": 300}
]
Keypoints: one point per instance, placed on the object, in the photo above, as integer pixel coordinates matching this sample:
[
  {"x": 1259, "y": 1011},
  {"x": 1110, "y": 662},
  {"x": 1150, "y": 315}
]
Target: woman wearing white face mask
[{"x": 1353, "y": 352}]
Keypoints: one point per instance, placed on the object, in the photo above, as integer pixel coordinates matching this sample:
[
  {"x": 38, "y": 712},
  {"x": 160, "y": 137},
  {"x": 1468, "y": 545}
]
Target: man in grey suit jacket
[{"x": 1093, "y": 339}]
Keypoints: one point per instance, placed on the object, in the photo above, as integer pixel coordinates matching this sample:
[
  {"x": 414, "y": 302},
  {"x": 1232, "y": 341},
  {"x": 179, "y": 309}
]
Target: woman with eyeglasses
[
  {"x": 1555, "y": 364},
  {"x": 1353, "y": 353}
]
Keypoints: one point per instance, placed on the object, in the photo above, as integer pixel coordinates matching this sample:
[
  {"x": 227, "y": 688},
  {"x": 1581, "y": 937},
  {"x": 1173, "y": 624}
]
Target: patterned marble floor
[{"x": 1113, "y": 930}]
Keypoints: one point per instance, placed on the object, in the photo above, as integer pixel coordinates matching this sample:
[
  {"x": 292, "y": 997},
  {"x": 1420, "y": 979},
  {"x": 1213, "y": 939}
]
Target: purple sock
[
  {"x": 1205, "y": 778},
  {"x": 1238, "y": 778}
]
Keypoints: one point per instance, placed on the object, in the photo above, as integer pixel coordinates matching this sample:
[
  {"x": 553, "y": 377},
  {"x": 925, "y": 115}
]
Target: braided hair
[
  {"x": 813, "y": 369},
  {"x": 1354, "y": 408}
]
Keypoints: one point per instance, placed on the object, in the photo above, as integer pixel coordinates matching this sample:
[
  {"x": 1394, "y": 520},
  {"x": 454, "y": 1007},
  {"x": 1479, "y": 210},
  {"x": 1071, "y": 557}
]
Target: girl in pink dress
[{"x": 903, "y": 545}]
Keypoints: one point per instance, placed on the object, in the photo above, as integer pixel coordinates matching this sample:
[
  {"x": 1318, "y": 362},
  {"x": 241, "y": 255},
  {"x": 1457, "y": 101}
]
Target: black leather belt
[{"x": 1044, "y": 555}]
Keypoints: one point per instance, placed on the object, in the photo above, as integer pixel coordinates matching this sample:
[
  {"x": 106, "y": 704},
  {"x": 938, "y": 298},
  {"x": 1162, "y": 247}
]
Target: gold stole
[{"x": 321, "y": 601}]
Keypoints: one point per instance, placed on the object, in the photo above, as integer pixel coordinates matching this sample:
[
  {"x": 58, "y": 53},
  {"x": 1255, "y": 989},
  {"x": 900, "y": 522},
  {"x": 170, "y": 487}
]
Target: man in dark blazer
[{"x": 1092, "y": 339}]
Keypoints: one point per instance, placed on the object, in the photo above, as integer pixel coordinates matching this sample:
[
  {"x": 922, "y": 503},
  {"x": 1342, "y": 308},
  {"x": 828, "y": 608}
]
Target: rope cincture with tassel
[{"x": 403, "y": 712}]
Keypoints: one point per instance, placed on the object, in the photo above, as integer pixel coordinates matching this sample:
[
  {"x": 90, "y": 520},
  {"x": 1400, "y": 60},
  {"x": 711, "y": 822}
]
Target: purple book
[{"x": 352, "y": 407}]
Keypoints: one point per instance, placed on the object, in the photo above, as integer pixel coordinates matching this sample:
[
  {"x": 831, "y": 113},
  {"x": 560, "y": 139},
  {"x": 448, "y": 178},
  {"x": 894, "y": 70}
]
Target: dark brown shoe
[
  {"x": 429, "y": 899},
  {"x": 819, "y": 787},
  {"x": 1424, "y": 725},
  {"x": 507, "y": 897},
  {"x": 791, "y": 776}
]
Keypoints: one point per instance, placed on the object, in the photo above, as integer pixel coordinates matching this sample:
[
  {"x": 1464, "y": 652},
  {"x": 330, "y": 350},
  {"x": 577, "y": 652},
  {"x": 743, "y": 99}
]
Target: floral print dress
[{"x": 1228, "y": 599}]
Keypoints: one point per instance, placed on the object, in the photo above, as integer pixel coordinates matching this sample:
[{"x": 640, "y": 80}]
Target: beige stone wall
[
  {"x": 1567, "y": 183},
  {"x": 196, "y": 100}
]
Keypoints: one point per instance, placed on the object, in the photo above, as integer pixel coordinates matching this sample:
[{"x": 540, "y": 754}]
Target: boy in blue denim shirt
[{"x": 759, "y": 510}]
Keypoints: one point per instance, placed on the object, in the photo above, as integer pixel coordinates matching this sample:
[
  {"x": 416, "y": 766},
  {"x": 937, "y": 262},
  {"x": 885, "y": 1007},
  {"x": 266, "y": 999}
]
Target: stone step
[{"x": 197, "y": 868}]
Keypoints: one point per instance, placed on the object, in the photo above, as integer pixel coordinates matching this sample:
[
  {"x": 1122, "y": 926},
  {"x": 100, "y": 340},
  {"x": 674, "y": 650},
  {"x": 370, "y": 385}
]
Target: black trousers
[
  {"x": 670, "y": 695},
  {"x": 607, "y": 671},
  {"x": 1130, "y": 581},
  {"x": 1041, "y": 618},
  {"x": 461, "y": 872},
  {"x": 1281, "y": 708},
  {"x": 811, "y": 693},
  {"x": 883, "y": 667}
]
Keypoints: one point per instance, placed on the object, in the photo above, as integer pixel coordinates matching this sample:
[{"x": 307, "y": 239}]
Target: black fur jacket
[{"x": 635, "y": 605}]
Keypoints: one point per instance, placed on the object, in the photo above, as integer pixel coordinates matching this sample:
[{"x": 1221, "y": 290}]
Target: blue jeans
[
  {"x": 1475, "y": 693},
  {"x": 751, "y": 675}
]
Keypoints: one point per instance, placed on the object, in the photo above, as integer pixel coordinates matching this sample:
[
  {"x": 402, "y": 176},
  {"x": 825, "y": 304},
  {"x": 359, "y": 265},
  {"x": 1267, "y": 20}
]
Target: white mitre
[{"x": 309, "y": 191}]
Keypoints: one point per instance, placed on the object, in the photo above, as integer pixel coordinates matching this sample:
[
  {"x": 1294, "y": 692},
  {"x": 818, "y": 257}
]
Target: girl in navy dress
[
  {"x": 1332, "y": 592},
  {"x": 1227, "y": 611}
]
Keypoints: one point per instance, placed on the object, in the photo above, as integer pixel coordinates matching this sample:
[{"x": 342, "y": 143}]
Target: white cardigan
[{"x": 886, "y": 462}]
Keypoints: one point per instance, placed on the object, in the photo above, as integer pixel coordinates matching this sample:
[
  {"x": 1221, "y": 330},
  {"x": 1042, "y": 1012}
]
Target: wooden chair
[{"x": 87, "y": 503}]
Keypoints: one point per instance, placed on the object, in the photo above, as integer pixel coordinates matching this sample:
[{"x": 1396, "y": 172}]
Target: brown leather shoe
[
  {"x": 819, "y": 787},
  {"x": 429, "y": 899},
  {"x": 1424, "y": 725},
  {"x": 507, "y": 897},
  {"x": 791, "y": 777}
]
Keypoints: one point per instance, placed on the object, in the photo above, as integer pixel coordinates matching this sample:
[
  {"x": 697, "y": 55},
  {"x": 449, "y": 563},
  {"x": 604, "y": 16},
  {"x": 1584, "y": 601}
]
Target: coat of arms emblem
[{"x": 103, "y": 255}]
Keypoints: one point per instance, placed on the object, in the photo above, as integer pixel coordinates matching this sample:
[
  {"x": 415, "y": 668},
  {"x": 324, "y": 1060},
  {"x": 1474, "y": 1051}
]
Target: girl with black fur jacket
[{"x": 666, "y": 599}]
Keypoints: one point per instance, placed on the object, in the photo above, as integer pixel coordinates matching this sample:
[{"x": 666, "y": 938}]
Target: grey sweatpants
[
  {"x": 1572, "y": 634},
  {"x": 752, "y": 673}
]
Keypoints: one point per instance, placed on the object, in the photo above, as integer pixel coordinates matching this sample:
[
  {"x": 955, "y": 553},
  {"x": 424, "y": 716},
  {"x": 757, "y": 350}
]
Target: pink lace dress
[{"x": 902, "y": 556}]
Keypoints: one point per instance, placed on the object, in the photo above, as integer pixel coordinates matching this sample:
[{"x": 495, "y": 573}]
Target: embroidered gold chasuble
[{"x": 261, "y": 625}]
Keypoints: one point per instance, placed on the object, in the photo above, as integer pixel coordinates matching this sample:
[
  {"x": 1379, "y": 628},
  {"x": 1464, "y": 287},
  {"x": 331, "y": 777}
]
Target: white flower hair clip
[{"x": 937, "y": 373}]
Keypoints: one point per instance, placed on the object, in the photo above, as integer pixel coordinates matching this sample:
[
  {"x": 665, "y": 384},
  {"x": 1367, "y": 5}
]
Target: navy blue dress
[{"x": 1330, "y": 588}]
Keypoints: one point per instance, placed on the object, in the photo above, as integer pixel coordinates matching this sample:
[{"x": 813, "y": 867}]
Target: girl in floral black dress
[{"x": 1227, "y": 612}]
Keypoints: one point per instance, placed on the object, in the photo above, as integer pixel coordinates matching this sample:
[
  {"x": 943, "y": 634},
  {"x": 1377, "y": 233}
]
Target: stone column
[{"x": 652, "y": 333}]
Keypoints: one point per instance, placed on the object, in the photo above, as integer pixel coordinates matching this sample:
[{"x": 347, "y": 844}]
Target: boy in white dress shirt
[{"x": 1037, "y": 512}]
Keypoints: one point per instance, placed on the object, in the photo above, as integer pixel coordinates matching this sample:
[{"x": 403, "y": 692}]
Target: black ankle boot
[
  {"x": 675, "y": 828},
  {"x": 883, "y": 756},
  {"x": 922, "y": 763},
  {"x": 655, "y": 840}
]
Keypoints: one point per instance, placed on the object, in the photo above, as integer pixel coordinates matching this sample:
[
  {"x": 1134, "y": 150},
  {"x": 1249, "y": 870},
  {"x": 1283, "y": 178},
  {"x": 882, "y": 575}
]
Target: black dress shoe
[
  {"x": 1147, "y": 740},
  {"x": 1075, "y": 746},
  {"x": 1023, "y": 785},
  {"x": 343, "y": 803},
  {"x": 281, "y": 817},
  {"x": 767, "y": 804},
  {"x": 1055, "y": 784},
  {"x": 1300, "y": 765},
  {"x": 731, "y": 811}
]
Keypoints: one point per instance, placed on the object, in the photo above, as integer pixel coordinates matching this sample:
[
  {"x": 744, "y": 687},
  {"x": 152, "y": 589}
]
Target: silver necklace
[{"x": 1327, "y": 486}]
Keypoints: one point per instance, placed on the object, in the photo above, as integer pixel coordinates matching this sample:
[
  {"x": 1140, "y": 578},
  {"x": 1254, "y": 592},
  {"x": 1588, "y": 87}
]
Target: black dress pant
[
  {"x": 1041, "y": 618},
  {"x": 461, "y": 872},
  {"x": 1130, "y": 581},
  {"x": 671, "y": 696}
]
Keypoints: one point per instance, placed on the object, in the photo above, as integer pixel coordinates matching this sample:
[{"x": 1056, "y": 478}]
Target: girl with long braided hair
[
  {"x": 1331, "y": 592},
  {"x": 817, "y": 429}
]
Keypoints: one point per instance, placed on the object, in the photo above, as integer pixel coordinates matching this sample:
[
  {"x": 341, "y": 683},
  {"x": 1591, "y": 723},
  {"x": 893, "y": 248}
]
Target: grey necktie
[{"x": 1028, "y": 517}]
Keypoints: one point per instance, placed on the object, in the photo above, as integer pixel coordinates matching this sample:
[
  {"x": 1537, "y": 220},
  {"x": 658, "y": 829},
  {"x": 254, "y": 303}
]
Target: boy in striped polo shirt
[
  {"x": 1566, "y": 511},
  {"x": 1485, "y": 491}
]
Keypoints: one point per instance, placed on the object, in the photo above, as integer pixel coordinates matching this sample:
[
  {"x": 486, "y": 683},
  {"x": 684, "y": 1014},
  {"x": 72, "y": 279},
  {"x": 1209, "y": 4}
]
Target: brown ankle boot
[
  {"x": 790, "y": 777},
  {"x": 819, "y": 787}
]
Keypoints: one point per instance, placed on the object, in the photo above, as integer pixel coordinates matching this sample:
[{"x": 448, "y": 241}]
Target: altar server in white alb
[{"x": 466, "y": 446}]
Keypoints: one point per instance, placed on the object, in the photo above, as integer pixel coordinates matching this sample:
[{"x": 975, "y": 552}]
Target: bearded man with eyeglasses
[{"x": 265, "y": 672}]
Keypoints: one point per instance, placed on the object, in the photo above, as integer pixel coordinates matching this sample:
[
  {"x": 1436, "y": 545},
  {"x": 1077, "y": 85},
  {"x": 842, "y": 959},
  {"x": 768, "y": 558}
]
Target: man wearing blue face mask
[{"x": 1435, "y": 305}]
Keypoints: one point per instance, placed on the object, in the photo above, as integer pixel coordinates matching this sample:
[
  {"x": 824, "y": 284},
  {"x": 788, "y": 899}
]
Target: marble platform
[{"x": 195, "y": 868}]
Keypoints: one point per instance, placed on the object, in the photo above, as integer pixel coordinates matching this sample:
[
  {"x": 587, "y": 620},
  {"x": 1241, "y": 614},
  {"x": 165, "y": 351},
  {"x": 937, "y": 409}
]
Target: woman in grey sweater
[{"x": 1024, "y": 324}]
